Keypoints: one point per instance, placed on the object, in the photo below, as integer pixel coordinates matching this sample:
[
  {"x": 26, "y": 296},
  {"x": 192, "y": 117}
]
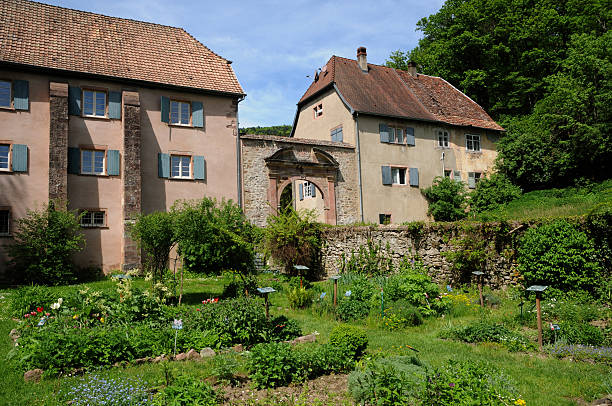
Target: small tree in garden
[
  {"x": 293, "y": 238},
  {"x": 493, "y": 192},
  {"x": 447, "y": 199},
  {"x": 45, "y": 241},
  {"x": 155, "y": 235}
]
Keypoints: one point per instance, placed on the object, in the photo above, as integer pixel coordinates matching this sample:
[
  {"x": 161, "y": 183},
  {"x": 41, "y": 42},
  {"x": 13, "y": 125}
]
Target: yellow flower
[
  {"x": 75, "y": 316},
  {"x": 102, "y": 319},
  {"x": 520, "y": 402}
]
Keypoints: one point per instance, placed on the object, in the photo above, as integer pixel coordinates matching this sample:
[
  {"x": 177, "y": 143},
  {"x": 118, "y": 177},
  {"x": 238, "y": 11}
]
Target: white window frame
[
  {"x": 472, "y": 138},
  {"x": 88, "y": 218},
  {"x": 8, "y": 222},
  {"x": 318, "y": 110},
  {"x": 10, "y": 86},
  {"x": 181, "y": 175},
  {"x": 181, "y": 106},
  {"x": 396, "y": 176},
  {"x": 308, "y": 188},
  {"x": 93, "y": 161},
  {"x": 10, "y": 155},
  {"x": 443, "y": 138},
  {"x": 95, "y": 92}
]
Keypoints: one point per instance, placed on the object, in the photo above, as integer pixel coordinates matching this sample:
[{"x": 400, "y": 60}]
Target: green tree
[
  {"x": 155, "y": 235},
  {"x": 44, "y": 243},
  {"x": 447, "y": 199},
  {"x": 493, "y": 192}
]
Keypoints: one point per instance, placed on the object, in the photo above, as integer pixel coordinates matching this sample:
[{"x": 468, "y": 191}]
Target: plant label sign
[{"x": 177, "y": 324}]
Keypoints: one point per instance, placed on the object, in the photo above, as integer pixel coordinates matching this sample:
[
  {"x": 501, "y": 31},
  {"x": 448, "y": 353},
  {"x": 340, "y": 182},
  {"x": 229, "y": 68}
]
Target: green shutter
[
  {"x": 21, "y": 91},
  {"x": 114, "y": 105},
  {"x": 20, "y": 158},
  {"x": 384, "y": 132},
  {"x": 197, "y": 114},
  {"x": 112, "y": 158},
  {"x": 163, "y": 165},
  {"x": 74, "y": 101},
  {"x": 165, "y": 109},
  {"x": 414, "y": 177},
  {"x": 387, "y": 179},
  {"x": 74, "y": 160},
  {"x": 199, "y": 168},
  {"x": 410, "y": 136}
]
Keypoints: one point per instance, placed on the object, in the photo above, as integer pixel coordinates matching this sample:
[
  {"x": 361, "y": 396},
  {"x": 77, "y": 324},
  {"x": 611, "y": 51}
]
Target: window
[
  {"x": 180, "y": 113},
  {"x": 309, "y": 189},
  {"x": 336, "y": 134},
  {"x": 5, "y": 94},
  {"x": 473, "y": 179},
  {"x": 443, "y": 138},
  {"x": 396, "y": 135},
  {"x": 448, "y": 173},
  {"x": 5, "y": 217},
  {"x": 318, "y": 110},
  {"x": 180, "y": 167},
  {"x": 472, "y": 142},
  {"x": 93, "y": 218},
  {"x": 384, "y": 218},
  {"x": 5, "y": 157},
  {"x": 94, "y": 103},
  {"x": 93, "y": 162},
  {"x": 399, "y": 176}
]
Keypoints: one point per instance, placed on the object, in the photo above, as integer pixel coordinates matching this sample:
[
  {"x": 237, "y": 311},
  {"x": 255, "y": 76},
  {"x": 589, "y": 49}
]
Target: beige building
[
  {"x": 117, "y": 117},
  {"x": 406, "y": 128}
]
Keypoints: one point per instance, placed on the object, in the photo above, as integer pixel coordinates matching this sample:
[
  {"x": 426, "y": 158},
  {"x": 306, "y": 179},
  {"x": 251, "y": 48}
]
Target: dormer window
[
  {"x": 318, "y": 110},
  {"x": 94, "y": 103}
]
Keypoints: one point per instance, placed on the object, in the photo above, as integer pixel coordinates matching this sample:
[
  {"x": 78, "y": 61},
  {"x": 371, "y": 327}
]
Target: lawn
[{"x": 540, "y": 379}]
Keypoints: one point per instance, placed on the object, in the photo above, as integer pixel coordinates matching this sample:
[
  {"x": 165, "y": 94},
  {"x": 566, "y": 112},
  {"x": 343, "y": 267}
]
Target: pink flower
[
  {"x": 47, "y": 314},
  {"x": 33, "y": 313},
  {"x": 26, "y": 315}
]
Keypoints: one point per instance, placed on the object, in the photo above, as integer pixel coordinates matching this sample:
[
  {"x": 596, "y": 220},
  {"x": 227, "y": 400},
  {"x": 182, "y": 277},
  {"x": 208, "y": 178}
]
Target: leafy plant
[
  {"x": 96, "y": 389},
  {"x": 282, "y": 328},
  {"x": 401, "y": 313},
  {"x": 493, "y": 192},
  {"x": 272, "y": 364},
  {"x": 355, "y": 304},
  {"x": 300, "y": 298},
  {"x": 353, "y": 339},
  {"x": 575, "y": 333},
  {"x": 447, "y": 199},
  {"x": 155, "y": 235},
  {"x": 370, "y": 260},
  {"x": 187, "y": 390},
  {"x": 486, "y": 331}
]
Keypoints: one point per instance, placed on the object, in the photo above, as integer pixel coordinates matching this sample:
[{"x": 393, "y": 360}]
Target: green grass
[
  {"x": 540, "y": 380},
  {"x": 554, "y": 203}
]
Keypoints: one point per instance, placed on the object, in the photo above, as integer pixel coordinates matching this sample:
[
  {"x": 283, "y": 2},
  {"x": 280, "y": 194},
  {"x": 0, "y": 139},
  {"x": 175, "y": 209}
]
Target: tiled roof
[
  {"x": 52, "y": 37},
  {"x": 391, "y": 92}
]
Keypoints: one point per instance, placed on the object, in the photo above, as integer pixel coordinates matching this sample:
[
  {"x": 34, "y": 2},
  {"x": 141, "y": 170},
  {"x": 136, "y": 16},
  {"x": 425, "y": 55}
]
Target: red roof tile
[
  {"x": 395, "y": 93},
  {"x": 52, "y": 37}
]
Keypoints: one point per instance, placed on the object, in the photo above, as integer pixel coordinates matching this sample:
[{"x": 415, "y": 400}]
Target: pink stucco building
[{"x": 118, "y": 117}]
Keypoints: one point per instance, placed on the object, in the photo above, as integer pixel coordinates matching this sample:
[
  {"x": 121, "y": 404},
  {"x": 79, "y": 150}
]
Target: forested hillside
[
  {"x": 541, "y": 68},
  {"x": 280, "y": 130}
]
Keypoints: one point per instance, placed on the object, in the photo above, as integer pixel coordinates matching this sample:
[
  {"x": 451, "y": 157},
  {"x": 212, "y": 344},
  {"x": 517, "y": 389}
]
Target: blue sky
[{"x": 274, "y": 45}]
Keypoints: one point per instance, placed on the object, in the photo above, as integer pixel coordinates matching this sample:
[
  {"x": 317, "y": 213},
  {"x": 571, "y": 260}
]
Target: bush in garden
[
  {"x": 44, "y": 243},
  {"x": 353, "y": 339},
  {"x": 282, "y": 328},
  {"x": 575, "y": 333},
  {"x": 300, "y": 298},
  {"x": 186, "y": 390},
  {"x": 293, "y": 238},
  {"x": 28, "y": 298},
  {"x": 447, "y": 199},
  {"x": 492, "y": 192},
  {"x": 560, "y": 256},
  {"x": 401, "y": 313},
  {"x": 486, "y": 331},
  {"x": 370, "y": 261},
  {"x": 355, "y": 303},
  {"x": 214, "y": 236},
  {"x": 154, "y": 233},
  {"x": 272, "y": 364}
]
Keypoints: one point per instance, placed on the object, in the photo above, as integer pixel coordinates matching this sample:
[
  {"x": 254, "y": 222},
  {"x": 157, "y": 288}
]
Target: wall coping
[{"x": 291, "y": 140}]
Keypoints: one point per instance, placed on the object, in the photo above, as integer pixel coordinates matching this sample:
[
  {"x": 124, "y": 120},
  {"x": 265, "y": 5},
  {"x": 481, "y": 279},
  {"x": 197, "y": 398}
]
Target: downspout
[
  {"x": 359, "y": 165},
  {"x": 239, "y": 155}
]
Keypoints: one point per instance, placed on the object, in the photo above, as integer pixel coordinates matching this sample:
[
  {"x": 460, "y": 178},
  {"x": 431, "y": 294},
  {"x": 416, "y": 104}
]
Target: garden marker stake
[
  {"x": 335, "y": 279},
  {"x": 479, "y": 277},
  {"x": 538, "y": 290}
]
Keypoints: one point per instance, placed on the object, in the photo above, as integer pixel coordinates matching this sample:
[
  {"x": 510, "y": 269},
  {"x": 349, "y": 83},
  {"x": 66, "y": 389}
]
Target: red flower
[
  {"x": 216, "y": 299},
  {"x": 197, "y": 310},
  {"x": 26, "y": 315},
  {"x": 47, "y": 314},
  {"x": 33, "y": 313},
  {"x": 40, "y": 309}
]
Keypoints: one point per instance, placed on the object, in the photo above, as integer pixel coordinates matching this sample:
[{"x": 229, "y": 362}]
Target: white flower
[
  {"x": 60, "y": 301},
  {"x": 55, "y": 306}
]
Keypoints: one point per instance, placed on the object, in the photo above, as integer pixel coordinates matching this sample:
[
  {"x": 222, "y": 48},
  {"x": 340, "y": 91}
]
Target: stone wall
[
  {"x": 428, "y": 242},
  {"x": 58, "y": 141}
]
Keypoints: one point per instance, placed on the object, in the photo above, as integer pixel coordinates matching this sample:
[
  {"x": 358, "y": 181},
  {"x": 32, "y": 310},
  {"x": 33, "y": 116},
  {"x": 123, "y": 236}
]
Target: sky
[{"x": 276, "y": 45}]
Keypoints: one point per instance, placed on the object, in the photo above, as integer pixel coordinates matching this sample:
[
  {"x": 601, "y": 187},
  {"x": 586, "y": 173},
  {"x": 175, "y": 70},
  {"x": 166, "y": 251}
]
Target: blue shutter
[
  {"x": 74, "y": 101},
  {"x": 163, "y": 165},
  {"x": 313, "y": 191},
  {"x": 301, "y": 191},
  {"x": 457, "y": 176},
  {"x": 112, "y": 158},
  {"x": 414, "y": 177},
  {"x": 114, "y": 105},
  {"x": 386, "y": 175},
  {"x": 74, "y": 160},
  {"x": 20, "y": 158},
  {"x": 21, "y": 91},
  {"x": 165, "y": 109},
  {"x": 471, "y": 180},
  {"x": 410, "y": 136},
  {"x": 199, "y": 168},
  {"x": 197, "y": 114},
  {"x": 384, "y": 132}
]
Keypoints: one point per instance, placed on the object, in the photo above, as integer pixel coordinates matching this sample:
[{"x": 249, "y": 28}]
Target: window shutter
[
  {"x": 20, "y": 158},
  {"x": 386, "y": 175},
  {"x": 197, "y": 114},
  {"x": 471, "y": 180},
  {"x": 301, "y": 191},
  {"x": 165, "y": 109},
  {"x": 74, "y": 101},
  {"x": 384, "y": 132},
  {"x": 74, "y": 160},
  {"x": 114, "y": 105},
  {"x": 414, "y": 177},
  {"x": 199, "y": 168},
  {"x": 313, "y": 190},
  {"x": 163, "y": 165},
  {"x": 21, "y": 91},
  {"x": 410, "y": 136},
  {"x": 112, "y": 158}
]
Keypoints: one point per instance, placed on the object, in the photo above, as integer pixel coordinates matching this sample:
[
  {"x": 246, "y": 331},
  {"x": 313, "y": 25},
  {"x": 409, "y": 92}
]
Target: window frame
[
  {"x": 318, "y": 110},
  {"x": 399, "y": 169},
  {"x": 477, "y": 177},
  {"x": 92, "y": 224},
  {"x": 9, "y": 222},
  {"x": 393, "y": 134},
  {"x": 180, "y": 103},
  {"x": 94, "y": 149},
  {"x": 94, "y": 90},
  {"x": 386, "y": 216},
  {"x": 445, "y": 141},
  {"x": 10, "y": 156},
  {"x": 335, "y": 131},
  {"x": 11, "y": 105},
  {"x": 190, "y": 177},
  {"x": 448, "y": 173},
  {"x": 471, "y": 138}
]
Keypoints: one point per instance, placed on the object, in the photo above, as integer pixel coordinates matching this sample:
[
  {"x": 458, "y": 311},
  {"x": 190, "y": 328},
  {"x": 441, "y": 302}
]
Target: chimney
[
  {"x": 412, "y": 68},
  {"x": 362, "y": 59}
]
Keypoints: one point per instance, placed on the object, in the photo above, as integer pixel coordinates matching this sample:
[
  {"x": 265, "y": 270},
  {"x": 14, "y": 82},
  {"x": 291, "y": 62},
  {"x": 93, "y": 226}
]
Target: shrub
[
  {"x": 486, "y": 331},
  {"x": 353, "y": 339},
  {"x": 351, "y": 309},
  {"x": 300, "y": 298},
  {"x": 225, "y": 367},
  {"x": 369, "y": 261},
  {"x": 44, "y": 242},
  {"x": 576, "y": 333},
  {"x": 401, "y": 313},
  {"x": 492, "y": 192},
  {"x": 447, "y": 199},
  {"x": 186, "y": 390},
  {"x": 155, "y": 235},
  {"x": 356, "y": 304},
  {"x": 558, "y": 255},
  {"x": 283, "y": 329},
  {"x": 272, "y": 365}
]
